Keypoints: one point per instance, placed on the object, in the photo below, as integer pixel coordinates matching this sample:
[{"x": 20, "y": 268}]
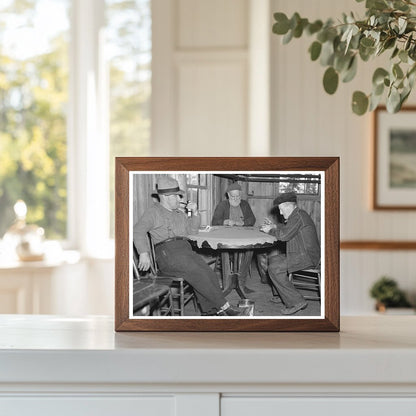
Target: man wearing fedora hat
[
  {"x": 302, "y": 249},
  {"x": 168, "y": 226},
  {"x": 234, "y": 210}
]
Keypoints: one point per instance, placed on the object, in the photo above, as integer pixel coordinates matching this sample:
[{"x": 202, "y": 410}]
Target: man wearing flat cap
[
  {"x": 302, "y": 250},
  {"x": 168, "y": 226},
  {"x": 234, "y": 210}
]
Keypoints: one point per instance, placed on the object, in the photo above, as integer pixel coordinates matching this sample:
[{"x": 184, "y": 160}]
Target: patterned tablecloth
[{"x": 232, "y": 237}]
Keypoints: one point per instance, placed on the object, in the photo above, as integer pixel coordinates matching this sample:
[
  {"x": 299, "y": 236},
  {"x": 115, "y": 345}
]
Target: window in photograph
[
  {"x": 307, "y": 185},
  {"x": 197, "y": 191}
]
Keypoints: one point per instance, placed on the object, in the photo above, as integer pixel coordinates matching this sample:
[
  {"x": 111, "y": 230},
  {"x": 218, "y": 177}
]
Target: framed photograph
[
  {"x": 394, "y": 180},
  {"x": 227, "y": 244}
]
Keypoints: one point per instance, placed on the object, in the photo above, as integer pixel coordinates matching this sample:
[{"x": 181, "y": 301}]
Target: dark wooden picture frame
[
  {"x": 391, "y": 159},
  {"x": 123, "y": 263}
]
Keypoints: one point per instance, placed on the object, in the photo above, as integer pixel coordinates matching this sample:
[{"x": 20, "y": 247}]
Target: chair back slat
[
  {"x": 136, "y": 274},
  {"x": 153, "y": 262}
]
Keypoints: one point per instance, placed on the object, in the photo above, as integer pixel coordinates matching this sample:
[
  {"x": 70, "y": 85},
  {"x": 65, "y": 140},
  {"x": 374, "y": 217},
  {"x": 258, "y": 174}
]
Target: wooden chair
[
  {"x": 182, "y": 292},
  {"x": 151, "y": 299},
  {"x": 308, "y": 279}
]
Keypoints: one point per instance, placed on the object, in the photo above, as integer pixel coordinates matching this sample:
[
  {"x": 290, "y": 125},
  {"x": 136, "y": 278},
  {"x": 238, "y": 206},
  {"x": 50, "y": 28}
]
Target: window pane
[
  {"x": 193, "y": 195},
  {"x": 192, "y": 179},
  {"x": 33, "y": 100},
  {"x": 129, "y": 47}
]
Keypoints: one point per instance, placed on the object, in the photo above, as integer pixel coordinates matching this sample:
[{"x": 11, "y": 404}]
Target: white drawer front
[
  {"x": 87, "y": 406},
  {"x": 273, "y": 406}
]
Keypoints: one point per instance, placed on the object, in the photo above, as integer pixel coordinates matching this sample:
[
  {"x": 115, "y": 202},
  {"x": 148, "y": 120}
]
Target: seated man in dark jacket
[
  {"x": 302, "y": 250},
  {"x": 234, "y": 210}
]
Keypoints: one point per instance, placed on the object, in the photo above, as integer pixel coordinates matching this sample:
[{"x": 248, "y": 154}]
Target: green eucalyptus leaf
[
  {"x": 411, "y": 76},
  {"x": 412, "y": 70},
  {"x": 350, "y": 18},
  {"x": 298, "y": 30},
  {"x": 314, "y": 27},
  {"x": 412, "y": 52},
  {"x": 281, "y": 26},
  {"x": 374, "y": 101},
  {"x": 322, "y": 36},
  {"x": 327, "y": 53},
  {"x": 411, "y": 79},
  {"x": 389, "y": 43},
  {"x": 403, "y": 56},
  {"x": 294, "y": 20},
  {"x": 338, "y": 45},
  {"x": 341, "y": 61},
  {"x": 399, "y": 85},
  {"x": 346, "y": 34},
  {"x": 330, "y": 80},
  {"x": 359, "y": 103},
  {"x": 315, "y": 50},
  {"x": 393, "y": 101},
  {"x": 351, "y": 71},
  {"x": 394, "y": 26},
  {"x": 408, "y": 42},
  {"x": 397, "y": 71},
  {"x": 379, "y": 75},
  {"x": 402, "y": 22},
  {"x": 400, "y": 5},
  {"x": 367, "y": 42},
  {"x": 332, "y": 33},
  {"x": 376, "y": 36},
  {"x": 378, "y": 89},
  {"x": 288, "y": 37},
  {"x": 352, "y": 31},
  {"x": 366, "y": 53},
  {"x": 404, "y": 96},
  {"x": 355, "y": 41},
  {"x": 395, "y": 52},
  {"x": 376, "y": 4}
]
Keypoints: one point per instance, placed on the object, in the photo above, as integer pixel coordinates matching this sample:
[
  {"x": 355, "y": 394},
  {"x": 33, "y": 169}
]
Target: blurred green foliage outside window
[
  {"x": 33, "y": 99},
  {"x": 34, "y": 85}
]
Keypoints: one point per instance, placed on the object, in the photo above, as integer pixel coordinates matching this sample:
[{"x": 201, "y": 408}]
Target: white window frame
[{"x": 88, "y": 137}]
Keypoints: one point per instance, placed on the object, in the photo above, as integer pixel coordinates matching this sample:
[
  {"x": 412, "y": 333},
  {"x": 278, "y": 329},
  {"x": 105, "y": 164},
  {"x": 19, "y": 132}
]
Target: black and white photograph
[{"x": 223, "y": 245}]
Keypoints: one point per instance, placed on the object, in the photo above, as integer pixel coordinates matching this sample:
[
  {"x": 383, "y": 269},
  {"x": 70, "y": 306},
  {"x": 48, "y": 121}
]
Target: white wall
[{"x": 200, "y": 77}]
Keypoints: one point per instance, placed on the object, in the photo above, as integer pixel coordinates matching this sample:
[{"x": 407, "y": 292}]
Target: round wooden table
[{"x": 236, "y": 245}]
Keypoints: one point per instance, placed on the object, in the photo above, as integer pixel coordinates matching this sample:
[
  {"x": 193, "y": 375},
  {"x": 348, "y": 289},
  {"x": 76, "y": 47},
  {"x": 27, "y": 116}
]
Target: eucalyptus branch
[{"x": 389, "y": 25}]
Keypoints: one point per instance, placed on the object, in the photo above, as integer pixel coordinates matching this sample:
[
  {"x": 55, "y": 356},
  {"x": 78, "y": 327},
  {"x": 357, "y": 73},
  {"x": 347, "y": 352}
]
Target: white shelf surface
[{"x": 369, "y": 350}]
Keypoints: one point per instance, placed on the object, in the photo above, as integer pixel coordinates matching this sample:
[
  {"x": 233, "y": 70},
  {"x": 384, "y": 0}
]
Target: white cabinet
[{"x": 79, "y": 366}]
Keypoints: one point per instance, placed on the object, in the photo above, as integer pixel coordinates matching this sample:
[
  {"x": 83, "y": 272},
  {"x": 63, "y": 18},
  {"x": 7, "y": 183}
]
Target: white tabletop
[{"x": 232, "y": 237}]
